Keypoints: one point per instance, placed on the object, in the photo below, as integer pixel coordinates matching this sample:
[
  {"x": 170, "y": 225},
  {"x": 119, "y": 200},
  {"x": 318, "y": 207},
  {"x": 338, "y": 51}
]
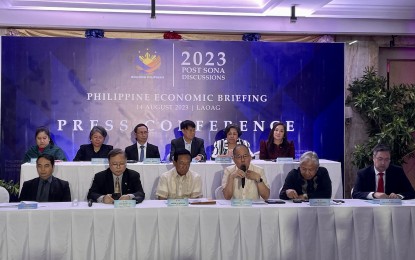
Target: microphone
[
  {"x": 90, "y": 203},
  {"x": 243, "y": 168}
]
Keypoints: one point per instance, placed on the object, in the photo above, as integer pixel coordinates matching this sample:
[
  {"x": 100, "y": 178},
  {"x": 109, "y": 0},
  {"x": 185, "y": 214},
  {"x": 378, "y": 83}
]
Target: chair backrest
[
  {"x": 4, "y": 195},
  {"x": 219, "y": 193}
]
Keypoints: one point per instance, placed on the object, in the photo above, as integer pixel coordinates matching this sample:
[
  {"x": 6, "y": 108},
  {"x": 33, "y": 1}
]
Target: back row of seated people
[
  {"x": 275, "y": 146},
  {"x": 242, "y": 180}
]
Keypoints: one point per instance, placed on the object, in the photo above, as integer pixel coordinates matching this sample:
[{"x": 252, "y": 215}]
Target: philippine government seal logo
[{"x": 148, "y": 63}]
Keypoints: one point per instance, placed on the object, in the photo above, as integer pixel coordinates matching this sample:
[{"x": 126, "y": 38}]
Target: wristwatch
[{"x": 260, "y": 180}]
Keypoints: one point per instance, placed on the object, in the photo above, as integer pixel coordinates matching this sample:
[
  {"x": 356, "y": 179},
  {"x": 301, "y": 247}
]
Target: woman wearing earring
[
  {"x": 97, "y": 148},
  {"x": 277, "y": 144}
]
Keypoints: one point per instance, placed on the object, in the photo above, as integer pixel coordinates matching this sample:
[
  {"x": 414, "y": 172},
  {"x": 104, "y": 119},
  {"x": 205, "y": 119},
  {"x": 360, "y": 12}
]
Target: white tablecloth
[
  {"x": 80, "y": 175},
  {"x": 353, "y": 230}
]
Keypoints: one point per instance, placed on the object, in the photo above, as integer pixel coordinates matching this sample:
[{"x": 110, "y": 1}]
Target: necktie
[
  {"x": 43, "y": 197},
  {"x": 381, "y": 186},
  {"x": 142, "y": 153},
  {"x": 117, "y": 185}
]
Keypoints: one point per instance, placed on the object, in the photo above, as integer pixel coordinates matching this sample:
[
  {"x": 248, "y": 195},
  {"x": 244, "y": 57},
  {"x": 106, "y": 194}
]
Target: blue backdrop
[{"x": 72, "y": 84}]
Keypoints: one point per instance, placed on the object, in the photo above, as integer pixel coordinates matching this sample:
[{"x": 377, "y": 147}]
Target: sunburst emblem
[{"x": 148, "y": 62}]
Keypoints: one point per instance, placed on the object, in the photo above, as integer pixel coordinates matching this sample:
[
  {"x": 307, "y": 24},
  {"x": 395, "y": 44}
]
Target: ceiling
[{"x": 364, "y": 17}]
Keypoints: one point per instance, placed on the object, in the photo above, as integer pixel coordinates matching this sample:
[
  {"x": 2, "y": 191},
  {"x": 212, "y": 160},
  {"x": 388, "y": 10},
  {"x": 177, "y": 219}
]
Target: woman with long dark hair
[{"x": 277, "y": 144}]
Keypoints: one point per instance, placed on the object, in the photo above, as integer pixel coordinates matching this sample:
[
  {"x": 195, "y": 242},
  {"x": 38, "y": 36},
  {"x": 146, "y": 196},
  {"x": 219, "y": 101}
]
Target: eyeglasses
[
  {"x": 118, "y": 164},
  {"x": 240, "y": 157}
]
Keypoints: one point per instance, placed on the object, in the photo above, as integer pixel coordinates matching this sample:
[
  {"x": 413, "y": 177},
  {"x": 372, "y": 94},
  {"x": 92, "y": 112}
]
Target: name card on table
[
  {"x": 124, "y": 203},
  {"x": 241, "y": 203},
  {"x": 99, "y": 161},
  {"x": 223, "y": 160},
  {"x": 27, "y": 205},
  {"x": 202, "y": 201},
  {"x": 177, "y": 202},
  {"x": 151, "y": 161},
  {"x": 319, "y": 202},
  {"x": 388, "y": 201},
  {"x": 285, "y": 159}
]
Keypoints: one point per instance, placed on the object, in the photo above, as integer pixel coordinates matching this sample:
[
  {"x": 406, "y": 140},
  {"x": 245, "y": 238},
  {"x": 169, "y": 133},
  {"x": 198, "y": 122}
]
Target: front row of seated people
[
  {"x": 276, "y": 145},
  {"x": 243, "y": 180}
]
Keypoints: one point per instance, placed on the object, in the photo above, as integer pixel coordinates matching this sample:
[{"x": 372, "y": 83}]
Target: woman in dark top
[
  {"x": 44, "y": 145},
  {"x": 97, "y": 148},
  {"x": 277, "y": 144}
]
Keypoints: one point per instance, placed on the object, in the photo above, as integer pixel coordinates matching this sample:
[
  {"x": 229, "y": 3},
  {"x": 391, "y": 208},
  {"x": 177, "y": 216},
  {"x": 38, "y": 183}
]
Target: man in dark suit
[
  {"x": 134, "y": 151},
  {"x": 45, "y": 188},
  {"x": 188, "y": 141},
  {"x": 116, "y": 182},
  {"x": 382, "y": 180}
]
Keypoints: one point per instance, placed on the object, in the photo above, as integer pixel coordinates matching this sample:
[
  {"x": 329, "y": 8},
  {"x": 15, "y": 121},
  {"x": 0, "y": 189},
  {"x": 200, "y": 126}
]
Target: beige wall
[{"x": 358, "y": 56}]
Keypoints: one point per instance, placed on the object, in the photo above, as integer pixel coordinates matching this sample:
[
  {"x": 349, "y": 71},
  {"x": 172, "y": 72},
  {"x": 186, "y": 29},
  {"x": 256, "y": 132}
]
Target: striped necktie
[{"x": 117, "y": 185}]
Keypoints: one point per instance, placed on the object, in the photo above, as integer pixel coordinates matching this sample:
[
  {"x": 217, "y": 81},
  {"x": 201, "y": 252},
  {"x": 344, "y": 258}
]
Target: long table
[
  {"x": 80, "y": 175},
  {"x": 353, "y": 230}
]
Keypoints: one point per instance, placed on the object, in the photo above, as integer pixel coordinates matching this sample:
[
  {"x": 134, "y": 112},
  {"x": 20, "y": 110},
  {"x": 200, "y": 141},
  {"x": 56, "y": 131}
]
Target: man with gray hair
[
  {"x": 116, "y": 182},
  {"x": 309, "y": 181}
]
